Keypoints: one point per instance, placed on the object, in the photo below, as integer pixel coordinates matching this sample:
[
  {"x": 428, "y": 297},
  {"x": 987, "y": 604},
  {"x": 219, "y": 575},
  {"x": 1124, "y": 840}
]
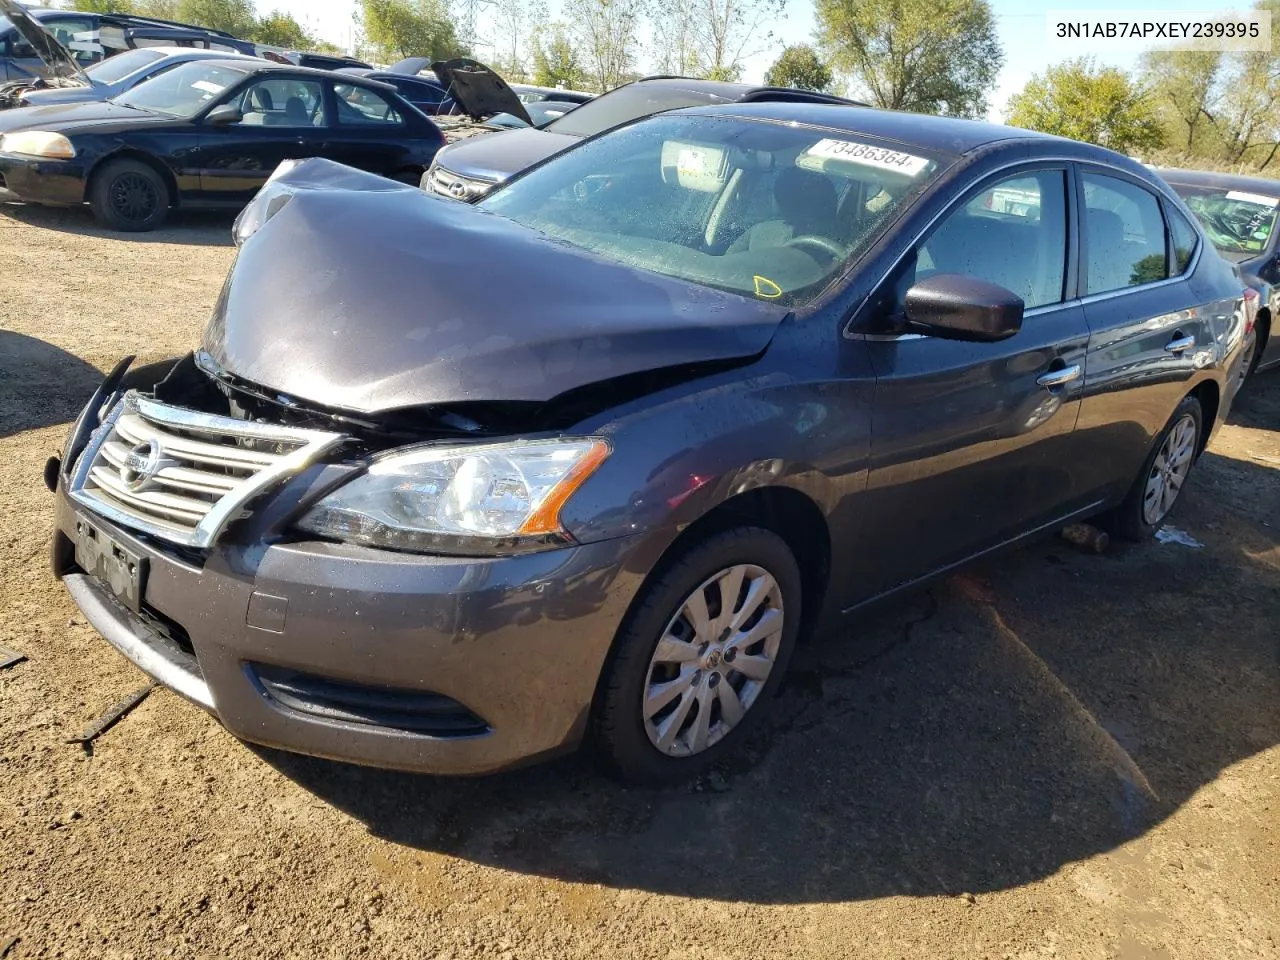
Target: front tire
[
  {"x": 699, "y": 657},
  {"x": 1163, "y": 474},
  {"x": 129, "y": 196}
]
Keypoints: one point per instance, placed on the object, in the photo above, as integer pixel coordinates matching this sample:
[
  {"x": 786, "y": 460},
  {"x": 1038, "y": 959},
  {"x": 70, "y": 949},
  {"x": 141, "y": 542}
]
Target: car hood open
[
  {"x": 477, "y": 89},
  {"x": 55, "y": 56},
  {"x": 364, "y": 295}
]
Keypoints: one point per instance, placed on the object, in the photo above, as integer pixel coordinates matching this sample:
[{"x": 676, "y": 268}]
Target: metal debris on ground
[
  {"x": 7, "y": 659},
  {"x": 112, "y": 716},
  {"x": 1087, "y": 537},
  {"x": 1174, "y": 535}
]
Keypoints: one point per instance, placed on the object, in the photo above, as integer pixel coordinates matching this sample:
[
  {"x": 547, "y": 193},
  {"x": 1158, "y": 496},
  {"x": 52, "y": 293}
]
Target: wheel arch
[
  {"x": 141, "y": 156},
  {"x": 1209, "y": 395}
]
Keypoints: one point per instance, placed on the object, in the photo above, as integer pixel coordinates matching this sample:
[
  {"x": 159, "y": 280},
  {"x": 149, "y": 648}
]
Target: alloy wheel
[
  {"x": 1169, "y": 471},
  {"x": 713, "y": 659},
  {"x": 133, "y": 197}
]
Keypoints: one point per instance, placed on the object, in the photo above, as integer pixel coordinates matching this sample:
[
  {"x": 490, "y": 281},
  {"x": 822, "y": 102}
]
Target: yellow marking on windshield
[{"x": 766, "y": 288}]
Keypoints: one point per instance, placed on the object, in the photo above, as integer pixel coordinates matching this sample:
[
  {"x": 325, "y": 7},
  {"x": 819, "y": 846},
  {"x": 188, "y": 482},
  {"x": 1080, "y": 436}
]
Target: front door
[
  {"x": 283, "y": 118},
  {"x": 972, "y": 442}
]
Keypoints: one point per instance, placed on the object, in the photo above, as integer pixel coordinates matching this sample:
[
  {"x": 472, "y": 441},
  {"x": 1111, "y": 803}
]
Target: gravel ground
[{"x": 1052, "y": 755}]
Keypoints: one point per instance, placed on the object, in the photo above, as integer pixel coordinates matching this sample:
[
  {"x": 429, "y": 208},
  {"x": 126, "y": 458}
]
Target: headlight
[
  {"x": 479, "y": 499},
  {"x": 37, "y": 143}
]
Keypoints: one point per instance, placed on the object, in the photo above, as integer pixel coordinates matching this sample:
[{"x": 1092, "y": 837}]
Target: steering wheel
[{"x": 822, "y": 244}]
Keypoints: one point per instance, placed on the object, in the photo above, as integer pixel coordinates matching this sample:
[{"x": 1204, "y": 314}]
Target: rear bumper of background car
[
  {"x": 53, "y": 182},
  {"x": 439, "y": 665}
]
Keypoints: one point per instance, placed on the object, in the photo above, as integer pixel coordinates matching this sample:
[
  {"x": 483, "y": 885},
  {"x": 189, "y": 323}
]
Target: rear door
[
  {"x": 973, "y": 443},
  {"x": 284, "y": 118},
  {"x": 1148, "y": 332},
  {"x": 368, "y": 132}
]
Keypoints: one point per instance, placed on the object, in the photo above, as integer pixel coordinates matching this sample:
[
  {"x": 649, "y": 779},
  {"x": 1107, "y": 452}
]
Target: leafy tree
[
  {"x": 1186, "y": 86},
  {"x": 104, "y": 6},
  {"x": 605, "y": 35},
  {"x": 1079, "y": 99},
  {"x": 927, "y": 56},
  {"x": 515, "y": 22},
  {"x": 236, "y": 17},
  {"x": 800, "y": 67},
  {"x": 163, "y": 9},
  {"x": 396, "y": 29},
  {"x": 555, "y": 59},
  {"x": 279, "y": 29},
  {"x": 711, "y": 38}
]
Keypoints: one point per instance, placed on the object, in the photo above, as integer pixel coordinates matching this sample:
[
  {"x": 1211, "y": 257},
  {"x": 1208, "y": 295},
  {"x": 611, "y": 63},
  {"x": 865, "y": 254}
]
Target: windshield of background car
[
  {"x": 765, "y": 209},
  {"x": 628, "y": 103},
  {"x": 183, "y": 91},
  {"x": 1237, "y": 221},
  {"x": 122, "y": 64}
]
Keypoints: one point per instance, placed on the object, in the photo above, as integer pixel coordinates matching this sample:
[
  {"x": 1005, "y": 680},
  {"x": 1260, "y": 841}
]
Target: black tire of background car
[
  {"x": 618, "y": 735},
  {"x": 1126, "y": 521},
  {"x": 115, "y": 172}
]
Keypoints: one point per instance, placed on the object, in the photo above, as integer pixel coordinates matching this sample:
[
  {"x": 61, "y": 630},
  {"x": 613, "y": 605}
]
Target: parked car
[
  {"x": 116, "y": 75},
  {"x": 206, "y": 134},
  {"x": 531, "y": 94},
  {"x": 315, "y": 61},
  {"x": 749, "y": 368},
  {"x": 51, "y": 47},
  {"x": 424, "y": 93},
  {"x": 469, "y": 169},
  {"x": 1238, "y": 215}
]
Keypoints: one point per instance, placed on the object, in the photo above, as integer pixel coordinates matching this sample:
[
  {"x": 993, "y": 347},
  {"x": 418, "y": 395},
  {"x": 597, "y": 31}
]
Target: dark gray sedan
[{"x": 451, "y": 487}]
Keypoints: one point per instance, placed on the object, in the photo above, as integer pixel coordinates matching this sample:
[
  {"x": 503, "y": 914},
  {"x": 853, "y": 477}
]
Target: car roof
[
  {"x": 258, "y": 65},
  {"x": 946, "y": 134},
  {"x": 728, "y": 90},
  {"x": 1209, "y": 178},
  {"x": 198, "y": 53}
]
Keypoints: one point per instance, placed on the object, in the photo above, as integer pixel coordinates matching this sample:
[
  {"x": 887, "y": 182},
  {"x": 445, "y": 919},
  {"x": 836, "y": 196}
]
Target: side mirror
[
  {"x": 224, "y": 115},
  {"x": 957, "y": 307}
]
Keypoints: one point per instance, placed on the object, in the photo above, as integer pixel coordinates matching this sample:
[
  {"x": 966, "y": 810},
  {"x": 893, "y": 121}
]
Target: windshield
[
  {"x": 1237, "y": 221},
  {"x": 763, "y": 209},
  {"x": 121, "y": 65},
  {"x": 183, "y": 91},
  {"x": 628, "y": 103}
]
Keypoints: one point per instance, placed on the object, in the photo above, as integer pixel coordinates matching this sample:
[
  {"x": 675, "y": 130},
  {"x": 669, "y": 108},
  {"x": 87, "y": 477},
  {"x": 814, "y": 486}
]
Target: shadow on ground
[
  {"x": 1040, "y": 708},
  {"x": 202, "y": 228},
  {"x": 40, "y": 385}
]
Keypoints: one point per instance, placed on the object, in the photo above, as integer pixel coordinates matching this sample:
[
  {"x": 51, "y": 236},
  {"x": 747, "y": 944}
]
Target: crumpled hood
[
  {"x": 367, "y": 295},
  {"x": 55, "y": 56},
  {"x": 497, "y": 156}
]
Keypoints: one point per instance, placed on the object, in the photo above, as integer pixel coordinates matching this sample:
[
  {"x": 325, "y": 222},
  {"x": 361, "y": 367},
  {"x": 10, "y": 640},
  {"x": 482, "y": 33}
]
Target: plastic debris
[
  {"x": 1174, "y": 535},
  {"x": 8, "y": 658}
]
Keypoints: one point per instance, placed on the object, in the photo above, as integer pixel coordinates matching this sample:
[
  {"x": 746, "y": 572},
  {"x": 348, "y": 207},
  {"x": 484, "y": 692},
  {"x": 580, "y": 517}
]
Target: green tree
[
  {"x": 711, "y": 38},
  {"x": 236, "y": 17},
  {"x": 396, "y": 29},
  {"x": 163, "y": 9},
  {"x": 279, "y": 29},
  {"x": 800, "y": 67},
  {"x": 104, "y": 6},
  {"x": 1080, "y": 100},
  {"x": 1187, "y": 87},
  {"x": 927, "y": 56},
  {"x": 605, "y": 33},
  {"x": 555, "y": 58}
]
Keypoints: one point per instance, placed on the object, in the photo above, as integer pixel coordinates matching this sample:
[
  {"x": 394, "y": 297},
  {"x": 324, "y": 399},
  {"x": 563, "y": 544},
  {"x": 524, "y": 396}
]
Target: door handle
[
  {"x": 1180, "y": 344},
  {"x": 1060, "y": 377}
]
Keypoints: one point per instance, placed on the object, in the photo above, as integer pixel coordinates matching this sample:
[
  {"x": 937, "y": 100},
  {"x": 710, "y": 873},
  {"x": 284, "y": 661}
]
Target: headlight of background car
[
  {"x": 480, "y": 499},
  {"x": 37, "y": 143}
]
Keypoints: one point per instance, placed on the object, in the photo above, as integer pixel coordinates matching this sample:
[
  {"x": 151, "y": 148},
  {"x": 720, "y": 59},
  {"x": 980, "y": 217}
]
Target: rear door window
[{"x": 1124, "y": 235}]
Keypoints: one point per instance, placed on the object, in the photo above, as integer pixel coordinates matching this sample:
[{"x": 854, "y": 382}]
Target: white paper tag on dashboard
[{"x": 868, "y": 156}]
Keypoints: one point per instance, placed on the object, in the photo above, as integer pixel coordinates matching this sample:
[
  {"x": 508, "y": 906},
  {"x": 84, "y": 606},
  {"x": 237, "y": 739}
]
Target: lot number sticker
[
  {"x": 868, "y": 156},
  {"x": 1257, "y": 198}
]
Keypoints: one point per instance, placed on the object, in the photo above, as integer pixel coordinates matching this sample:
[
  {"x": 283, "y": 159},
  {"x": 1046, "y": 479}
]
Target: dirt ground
[{"x": 1052, "y": 755}]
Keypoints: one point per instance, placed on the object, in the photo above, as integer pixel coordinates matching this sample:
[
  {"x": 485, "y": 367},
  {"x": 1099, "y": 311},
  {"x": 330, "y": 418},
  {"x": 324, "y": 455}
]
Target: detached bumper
[
  {"x": 452, "y": 666},
  {"x": 53, "y": 182}
]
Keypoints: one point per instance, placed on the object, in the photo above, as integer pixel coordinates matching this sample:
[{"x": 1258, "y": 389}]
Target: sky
[{"x": 1021, "y": 24}]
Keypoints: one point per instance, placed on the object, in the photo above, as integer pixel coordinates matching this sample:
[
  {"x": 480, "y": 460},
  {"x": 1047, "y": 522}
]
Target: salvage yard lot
[{"x": 1051, "y": 754}]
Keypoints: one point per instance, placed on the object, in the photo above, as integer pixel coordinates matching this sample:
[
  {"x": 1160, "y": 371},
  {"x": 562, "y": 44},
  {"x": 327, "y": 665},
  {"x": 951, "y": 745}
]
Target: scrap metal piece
[
  {"x": 7, "y": 659},
  {"x": 8, "y": 945},
  {"x": 112, "y": 715}
]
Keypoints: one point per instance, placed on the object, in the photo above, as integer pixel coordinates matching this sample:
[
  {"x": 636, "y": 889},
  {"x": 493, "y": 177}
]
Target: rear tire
[
  {"x": 1164, "y": 473},
  {"x": 687, "y": 678},
  {"x": 129, "y": 196}
]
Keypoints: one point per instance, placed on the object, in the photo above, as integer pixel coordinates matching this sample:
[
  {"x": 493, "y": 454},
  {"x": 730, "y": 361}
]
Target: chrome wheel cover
[
  {"x": 1169, "y": 471},
  {"x": 712, "y": 660}
]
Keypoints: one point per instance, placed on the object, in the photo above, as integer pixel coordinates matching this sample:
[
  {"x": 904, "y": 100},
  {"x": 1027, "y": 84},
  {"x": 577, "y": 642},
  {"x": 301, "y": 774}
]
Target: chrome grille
[
  {"x": 183, "y": 475},
  {"x": 454, "y": 186}
]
